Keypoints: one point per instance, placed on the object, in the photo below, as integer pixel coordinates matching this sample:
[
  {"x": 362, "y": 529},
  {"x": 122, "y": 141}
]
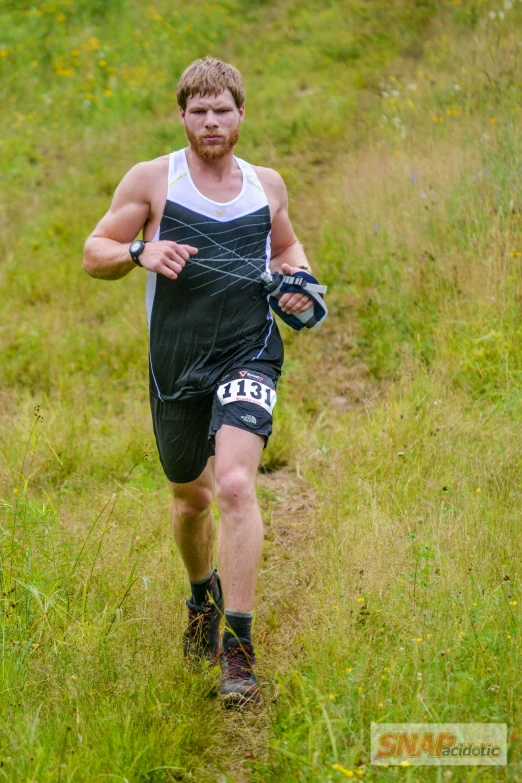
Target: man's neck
[{"x": 218, "y": 169}]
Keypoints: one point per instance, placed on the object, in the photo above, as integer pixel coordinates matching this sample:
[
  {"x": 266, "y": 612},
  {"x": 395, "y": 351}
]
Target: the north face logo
[{"x": 249, "y": 419}]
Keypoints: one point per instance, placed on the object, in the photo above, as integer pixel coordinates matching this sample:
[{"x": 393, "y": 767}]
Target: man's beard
[{"x": 212, "y": 151}]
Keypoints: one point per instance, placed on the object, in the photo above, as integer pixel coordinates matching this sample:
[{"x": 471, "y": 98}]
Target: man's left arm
[{"x": 288, "y": 255}]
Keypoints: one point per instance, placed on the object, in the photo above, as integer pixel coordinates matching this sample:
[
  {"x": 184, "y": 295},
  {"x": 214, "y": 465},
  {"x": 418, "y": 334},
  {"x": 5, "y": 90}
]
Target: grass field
[{"x": 391, "y": 490}]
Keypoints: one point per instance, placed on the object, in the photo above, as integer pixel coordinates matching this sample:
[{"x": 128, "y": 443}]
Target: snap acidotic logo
[{"x": 430, "y": 744}]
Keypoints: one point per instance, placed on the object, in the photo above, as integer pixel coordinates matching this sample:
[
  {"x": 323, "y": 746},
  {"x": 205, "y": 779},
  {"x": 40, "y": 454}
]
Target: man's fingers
[
  {"x": 176, "y": 255},
  {"x": 168, "y": 271},
  {"x": 295, "y": 303},
  {"x": 181, "y": 253},
  {"x": 290, "y": 300},
  {"x": 190, "y": 249},
  {"x": 285, "y": 302},
  {"x": 174, "y": 267}
]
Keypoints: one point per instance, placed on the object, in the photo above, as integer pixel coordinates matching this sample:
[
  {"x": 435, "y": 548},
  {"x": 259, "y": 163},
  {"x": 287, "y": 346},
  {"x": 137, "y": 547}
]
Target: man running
[{"x": 212, "y": 224}]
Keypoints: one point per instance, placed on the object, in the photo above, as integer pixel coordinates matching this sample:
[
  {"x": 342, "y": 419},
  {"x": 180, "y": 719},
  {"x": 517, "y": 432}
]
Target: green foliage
[{"x": 404, "y": 179}]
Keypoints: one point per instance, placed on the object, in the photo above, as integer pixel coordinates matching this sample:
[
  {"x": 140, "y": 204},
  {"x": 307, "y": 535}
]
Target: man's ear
[
  {"x": 182, "y": 115},
  {"x": 242, "y": 113}
]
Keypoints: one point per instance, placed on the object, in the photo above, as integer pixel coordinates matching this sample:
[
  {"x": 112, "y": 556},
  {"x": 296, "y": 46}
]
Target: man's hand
[
  {"x": 293, "y": 303},
  {"x": 166, "y": 258}
]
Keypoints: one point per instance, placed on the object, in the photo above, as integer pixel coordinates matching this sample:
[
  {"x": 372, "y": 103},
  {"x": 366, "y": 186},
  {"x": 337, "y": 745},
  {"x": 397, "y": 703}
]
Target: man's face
[{"x": 212, "y": 124}]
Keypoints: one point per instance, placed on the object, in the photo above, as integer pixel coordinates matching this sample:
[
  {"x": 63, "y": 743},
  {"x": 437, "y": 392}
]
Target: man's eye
[{"x": 222, "y": 111}]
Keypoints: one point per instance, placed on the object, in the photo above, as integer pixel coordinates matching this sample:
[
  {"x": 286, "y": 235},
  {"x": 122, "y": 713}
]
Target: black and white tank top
[{"x": 215, "y": 315}]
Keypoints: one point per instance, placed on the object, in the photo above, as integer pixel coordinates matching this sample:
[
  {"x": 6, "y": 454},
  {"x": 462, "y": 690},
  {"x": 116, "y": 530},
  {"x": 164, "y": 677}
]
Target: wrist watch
[{"x": 136, "y": 248}]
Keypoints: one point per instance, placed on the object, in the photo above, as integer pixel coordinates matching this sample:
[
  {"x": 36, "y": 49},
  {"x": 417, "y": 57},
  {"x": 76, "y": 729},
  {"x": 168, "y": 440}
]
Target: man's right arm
[{"x": 106, "y": 252}]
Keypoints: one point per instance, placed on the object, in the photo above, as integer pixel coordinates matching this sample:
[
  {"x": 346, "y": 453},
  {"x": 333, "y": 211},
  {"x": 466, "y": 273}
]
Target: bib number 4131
[{"x": 245, "y": 390}]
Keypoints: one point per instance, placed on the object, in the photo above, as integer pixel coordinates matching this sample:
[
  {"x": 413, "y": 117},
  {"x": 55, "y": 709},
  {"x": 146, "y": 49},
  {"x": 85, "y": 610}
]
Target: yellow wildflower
[{"x": 347, "y": 772}]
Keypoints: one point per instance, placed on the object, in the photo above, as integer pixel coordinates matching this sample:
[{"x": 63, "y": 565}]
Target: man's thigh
[
  {"x": 181, "y": 429},
  {"x": 237, "y": 452}
]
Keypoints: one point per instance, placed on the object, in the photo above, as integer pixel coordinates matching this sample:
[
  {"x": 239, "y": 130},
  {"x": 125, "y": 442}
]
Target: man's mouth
[{"x": 211, "y": 138}]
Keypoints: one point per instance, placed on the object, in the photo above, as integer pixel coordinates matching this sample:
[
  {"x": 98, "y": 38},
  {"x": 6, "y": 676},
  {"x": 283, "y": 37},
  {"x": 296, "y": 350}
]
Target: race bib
[{"x": 246, "y": 390}]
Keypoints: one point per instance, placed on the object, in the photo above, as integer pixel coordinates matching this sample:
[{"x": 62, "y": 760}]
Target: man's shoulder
[
  {"x": 274, "y": 187},
  {"x": 269, "y": 177},
  {"x": 148, "y": 168},
  {"x": 144, "y": 177}
]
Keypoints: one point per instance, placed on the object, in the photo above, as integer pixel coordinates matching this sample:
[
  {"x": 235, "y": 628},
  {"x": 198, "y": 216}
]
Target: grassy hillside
[{"x": 390, "y": 587}]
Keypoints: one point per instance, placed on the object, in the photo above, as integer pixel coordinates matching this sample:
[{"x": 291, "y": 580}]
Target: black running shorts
[{"x": 185, "y": 429}]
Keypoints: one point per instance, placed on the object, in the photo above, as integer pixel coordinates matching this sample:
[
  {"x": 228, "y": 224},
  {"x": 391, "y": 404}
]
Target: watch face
[{"x": 136, "y": 245}]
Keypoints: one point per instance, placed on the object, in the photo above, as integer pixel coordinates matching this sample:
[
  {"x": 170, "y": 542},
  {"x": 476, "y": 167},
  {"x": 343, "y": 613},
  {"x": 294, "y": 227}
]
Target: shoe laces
[
  {"x": 240, "y": 660},
  {"x": 199, "y": 618}
]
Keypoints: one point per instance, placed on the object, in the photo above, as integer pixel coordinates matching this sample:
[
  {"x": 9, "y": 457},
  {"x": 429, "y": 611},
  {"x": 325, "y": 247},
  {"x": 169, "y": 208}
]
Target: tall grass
[
  {"x": 390, "y": 586},
  {"x": 416, "y": 616}
]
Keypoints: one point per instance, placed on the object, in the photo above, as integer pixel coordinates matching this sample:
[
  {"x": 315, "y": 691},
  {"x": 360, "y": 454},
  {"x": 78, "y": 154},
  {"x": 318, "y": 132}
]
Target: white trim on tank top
[{"x": 199, "y": 193}]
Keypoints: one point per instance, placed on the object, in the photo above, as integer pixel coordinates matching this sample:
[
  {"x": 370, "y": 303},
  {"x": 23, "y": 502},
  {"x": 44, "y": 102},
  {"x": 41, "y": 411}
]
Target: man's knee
[
  {"x": 234, "y": 488},
  {"x": 191, "y": 505}
]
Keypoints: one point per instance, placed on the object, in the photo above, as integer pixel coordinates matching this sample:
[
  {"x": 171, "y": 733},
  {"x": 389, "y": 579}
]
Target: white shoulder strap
[
  {"x": 250, "y": 174},
  {"x": 176, "y": 169}
]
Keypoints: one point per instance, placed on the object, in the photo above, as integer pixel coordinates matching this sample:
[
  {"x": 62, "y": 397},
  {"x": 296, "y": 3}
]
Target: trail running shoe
[
  {"x": 238, "y": 682},
  {"x": 201, "y": 638}
]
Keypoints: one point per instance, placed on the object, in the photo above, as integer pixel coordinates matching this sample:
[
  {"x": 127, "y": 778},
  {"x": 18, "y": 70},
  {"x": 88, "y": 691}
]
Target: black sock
[
  {"x": 238, "y": 624},
  {"x": 201, "y": 587}
]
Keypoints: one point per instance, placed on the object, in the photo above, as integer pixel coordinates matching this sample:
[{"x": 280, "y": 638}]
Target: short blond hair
[{"x": 210, "y": 76}]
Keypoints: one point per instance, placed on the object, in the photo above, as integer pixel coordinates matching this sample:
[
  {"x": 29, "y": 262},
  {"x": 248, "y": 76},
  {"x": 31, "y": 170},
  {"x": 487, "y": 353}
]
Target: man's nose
[{"x": 211, "y": 120}]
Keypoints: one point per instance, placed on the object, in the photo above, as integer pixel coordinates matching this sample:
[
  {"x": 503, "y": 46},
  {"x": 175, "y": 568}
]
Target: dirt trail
[
  {"x": 283, "y": 611},
  {"x": 286, "y": 577}
]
